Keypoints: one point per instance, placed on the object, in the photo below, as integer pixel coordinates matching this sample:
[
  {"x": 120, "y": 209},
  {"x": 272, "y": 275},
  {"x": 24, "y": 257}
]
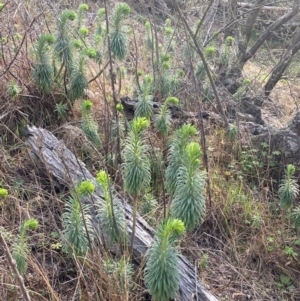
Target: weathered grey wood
[
  {"x": 57, "y": 161},
  {"x": 177, "y": 112}
]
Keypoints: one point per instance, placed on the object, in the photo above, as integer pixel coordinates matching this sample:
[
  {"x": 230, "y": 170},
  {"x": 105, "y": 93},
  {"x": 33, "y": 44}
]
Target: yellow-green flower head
[
  {"x": 165, "y": 66},
  {"x": 174, "y": 227},
  {"x": 172, "y": 100},
  {"x": 168, "y": 30},
  {"x": 101, "y": 12},
  {"x": 165, "y": 57},
  {"x": 103, "y": 177},
  {"x": 119, "y": 107},
  {"x": 139, "y": 124},
  {"x": 91, "y": 53},
  {"x": 148, "y": 79},
  {"x": 77, "y": 44},
  {"x": 3, "y": 192},
  {"x": 246, "y": 81},
  {"x": 87, "y": 104},
  {"x": 31, "y": 224},
  {"x": 49, "y": 38},
  {"x": 193, "y": 150},
  {"x": 210, "y": 51},
  {"x": 83, "y": 31},
  {"x": 85, "y": 187},
  {"x": 71, "y": 15},
  {"x": 229, "y": 40},
  {"x": 83, "y": 7},
  {"x": 290, "y": 169}
]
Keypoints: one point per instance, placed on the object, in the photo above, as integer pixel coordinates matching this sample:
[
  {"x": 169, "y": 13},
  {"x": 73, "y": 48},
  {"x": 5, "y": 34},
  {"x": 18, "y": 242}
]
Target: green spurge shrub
[
  {"x": 296, "y": 217},
  {"x": 176, "y": 153},
  {"x": 118, "y": 37},
  {"x": 188, "y": 203},
  {"x": 144, "y": 106},
  {"x": 43, "y": 72},
  {"x": 20, "y": 248},
  {"x": 163, "y": 120},
  {"x": 168, "y": 35},
  {"x": 99, "y": 33},
  {"x": 226, "y": 52},
  {"x": 77, "y": 221},
  {"x": 78, "y": 78},
  {"x": 63, "y": 43},
  {"x": 149, "y": 42},
  {"x": 82, "y": 8},
  {"x": 110, "y": 213},
  {"x": 88, "y": 124},
  {"x": 162, "y": 267},
  {"x": 201, "y": 72},
  {"x": 136, "y": 166},
  {"x": 288, "y": 188}
]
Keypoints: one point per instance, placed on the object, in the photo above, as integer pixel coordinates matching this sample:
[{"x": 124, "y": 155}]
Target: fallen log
[
  {"x": 129, "y": 105},
  {"x": 57, "y": 161}
]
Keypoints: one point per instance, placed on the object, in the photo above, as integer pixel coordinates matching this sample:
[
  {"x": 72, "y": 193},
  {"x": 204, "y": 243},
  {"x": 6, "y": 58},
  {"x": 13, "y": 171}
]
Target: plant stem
[
  {"x": 13, "y": 266},
  {"x": 134, "y": 213},
  {"x": 112, "y": 79}
]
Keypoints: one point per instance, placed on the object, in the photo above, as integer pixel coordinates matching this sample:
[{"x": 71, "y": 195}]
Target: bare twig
[
  {"x": 99, "y": 73},
  {"x": 22, "y": 42},
  {"x": 201, "y": 54}
]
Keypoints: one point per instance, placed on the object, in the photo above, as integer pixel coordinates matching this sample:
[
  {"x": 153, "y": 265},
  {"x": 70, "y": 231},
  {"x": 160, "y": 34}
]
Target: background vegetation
[{"x": 230, "y": 207}]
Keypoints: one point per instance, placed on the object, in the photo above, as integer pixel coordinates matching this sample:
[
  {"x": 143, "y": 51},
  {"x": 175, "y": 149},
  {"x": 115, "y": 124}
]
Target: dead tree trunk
[
  {"x": 57, "y": 161},
  {"x": 245, "y": 54},
  {"x": 283, "y": 64},
  {"x": 232, "y": 15}
]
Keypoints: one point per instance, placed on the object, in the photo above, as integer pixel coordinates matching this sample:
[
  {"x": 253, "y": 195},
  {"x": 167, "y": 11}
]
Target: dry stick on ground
[
  {"x": 51, "y": 154},
  {"x": 13, "y": 266},
  {"x": 199, "y": 51}
]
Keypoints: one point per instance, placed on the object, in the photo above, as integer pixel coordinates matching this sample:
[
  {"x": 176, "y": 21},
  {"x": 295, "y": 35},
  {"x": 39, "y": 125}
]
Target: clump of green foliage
[
  {"x": 20, "y": 247},
  {"x": 162, "y": 266},
  {"x": 288, "y": 189},
  {"x": 78, "y": 231},
  {"x": 136, "y": 166},
  {"x": 43, "y": 72},
  {"x": 118, "y": 37},
  {"x": 176, "y": 153},
  {"x": 88, "y": 124},
  {"x": 144, "y": 106},
  {"x": 110, "y": 213},
  {"x": 188, "y": 203},
  {"x": 163, "y": 118}
]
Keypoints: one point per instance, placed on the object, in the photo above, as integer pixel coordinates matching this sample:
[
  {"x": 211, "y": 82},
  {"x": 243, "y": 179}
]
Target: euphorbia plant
[{"x": 136, "y": 166}]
